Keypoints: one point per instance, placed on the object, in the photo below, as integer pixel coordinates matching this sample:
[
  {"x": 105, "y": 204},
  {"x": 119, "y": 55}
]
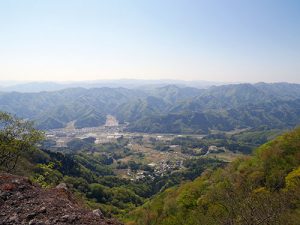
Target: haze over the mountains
[
  {"x": 162, "y": 108},
  {"x": 38, "y": 86}
]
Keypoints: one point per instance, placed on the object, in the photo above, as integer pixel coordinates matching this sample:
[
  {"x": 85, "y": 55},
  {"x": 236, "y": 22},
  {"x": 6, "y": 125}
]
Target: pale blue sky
[{"x": 224, "y": 40}]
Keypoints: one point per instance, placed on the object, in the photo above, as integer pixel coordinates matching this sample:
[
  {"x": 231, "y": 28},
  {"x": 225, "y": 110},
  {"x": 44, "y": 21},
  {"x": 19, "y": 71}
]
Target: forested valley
[{"x": 169, "y": 155}]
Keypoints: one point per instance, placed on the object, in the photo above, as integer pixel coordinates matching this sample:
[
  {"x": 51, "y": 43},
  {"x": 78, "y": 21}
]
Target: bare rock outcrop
[{"x": 22, "y": 202}]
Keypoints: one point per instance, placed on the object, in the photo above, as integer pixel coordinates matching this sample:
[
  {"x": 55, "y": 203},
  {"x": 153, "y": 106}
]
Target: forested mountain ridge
[
  {"x": 261, "y": 189},
  {"x": 55, "y": 109},
  {"x": 279, "y": 114},
  {"x": 164, "y": 109}
]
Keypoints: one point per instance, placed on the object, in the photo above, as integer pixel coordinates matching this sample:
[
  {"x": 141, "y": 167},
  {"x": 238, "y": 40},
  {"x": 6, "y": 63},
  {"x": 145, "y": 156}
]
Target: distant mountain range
[
  {"x": 166, "y": 109},
  {"x": 29, "y": 87}
]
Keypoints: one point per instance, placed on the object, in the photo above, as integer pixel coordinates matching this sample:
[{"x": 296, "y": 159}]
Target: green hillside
[
  {"x": 280, "y": 114},
  {"x": 88, "y": 169},
  {"x": 261, "y": 189},
  {"x": 168, "y": 109}
]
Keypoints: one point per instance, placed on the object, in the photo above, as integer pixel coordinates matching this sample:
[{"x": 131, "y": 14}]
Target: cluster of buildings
[{"x": 159, "y": 169}]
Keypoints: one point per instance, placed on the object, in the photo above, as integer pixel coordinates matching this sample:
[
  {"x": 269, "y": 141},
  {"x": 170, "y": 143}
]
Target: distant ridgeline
[{"x": 168, "y": 109}]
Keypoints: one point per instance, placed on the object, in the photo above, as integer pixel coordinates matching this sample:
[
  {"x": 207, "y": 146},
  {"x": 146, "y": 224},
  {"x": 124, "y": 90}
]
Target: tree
[{"x": 17, "y": 137}]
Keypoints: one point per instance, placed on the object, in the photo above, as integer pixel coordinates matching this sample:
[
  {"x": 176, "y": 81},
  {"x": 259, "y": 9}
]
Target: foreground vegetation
[
  {"x": 258, "y": 189},
  {"x": 87, "y": 169},
  {"x": 261, "y": 189}
]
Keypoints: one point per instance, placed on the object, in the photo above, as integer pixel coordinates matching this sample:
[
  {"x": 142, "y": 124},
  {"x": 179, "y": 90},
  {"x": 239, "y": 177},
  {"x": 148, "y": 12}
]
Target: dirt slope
[{"x": 22, "y": 202}]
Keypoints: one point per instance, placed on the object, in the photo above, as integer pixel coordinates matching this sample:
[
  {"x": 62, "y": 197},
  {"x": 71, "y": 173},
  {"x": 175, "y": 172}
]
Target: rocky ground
[{"x": 22, "y": 202}]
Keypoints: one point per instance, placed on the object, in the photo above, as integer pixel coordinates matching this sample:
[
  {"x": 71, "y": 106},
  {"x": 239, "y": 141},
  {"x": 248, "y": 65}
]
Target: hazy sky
[{"x": 224, "y": 40}]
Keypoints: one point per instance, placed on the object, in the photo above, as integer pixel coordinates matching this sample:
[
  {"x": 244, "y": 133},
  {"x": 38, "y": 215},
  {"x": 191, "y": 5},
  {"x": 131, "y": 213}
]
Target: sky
[{"x": 214, "y": 40}]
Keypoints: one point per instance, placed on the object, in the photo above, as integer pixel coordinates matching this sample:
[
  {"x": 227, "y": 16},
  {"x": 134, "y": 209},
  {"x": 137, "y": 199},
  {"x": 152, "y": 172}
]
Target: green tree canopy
[{"x": 17, "y": 137}]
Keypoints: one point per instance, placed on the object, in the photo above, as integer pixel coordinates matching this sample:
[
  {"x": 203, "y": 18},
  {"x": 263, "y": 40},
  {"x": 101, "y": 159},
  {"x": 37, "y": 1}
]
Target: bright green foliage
[
  {"x": 17, "y": 137},
  {"x": 262, "y": 189},
  {"x": 91, "y": 177},
  {"x": 46, "y": 175},
  {"x": 292, "y": 180}
]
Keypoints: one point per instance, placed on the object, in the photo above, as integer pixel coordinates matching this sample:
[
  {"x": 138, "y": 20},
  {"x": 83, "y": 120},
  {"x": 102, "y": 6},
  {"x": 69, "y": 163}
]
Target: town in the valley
[{"x": 157, "y": 151}]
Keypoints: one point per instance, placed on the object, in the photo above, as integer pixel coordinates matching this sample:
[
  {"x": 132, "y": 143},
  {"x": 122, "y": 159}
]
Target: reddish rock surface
[{"x": 22, "y": 202}]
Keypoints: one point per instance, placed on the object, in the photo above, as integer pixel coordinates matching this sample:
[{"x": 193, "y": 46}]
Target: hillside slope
[
  {"x": 22, "y": 202},
  {"x": 165, "y": 109},
  {"x": 261, "y": 189}
]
